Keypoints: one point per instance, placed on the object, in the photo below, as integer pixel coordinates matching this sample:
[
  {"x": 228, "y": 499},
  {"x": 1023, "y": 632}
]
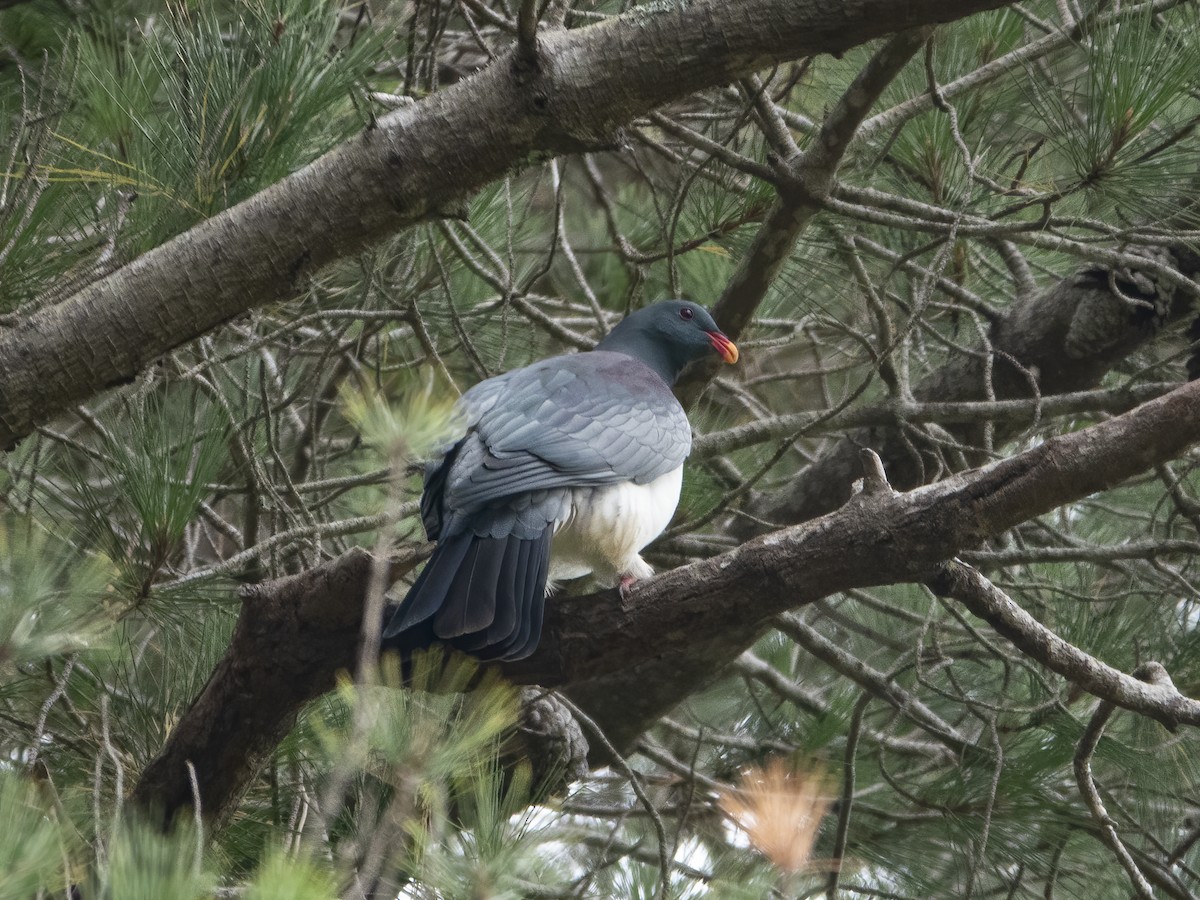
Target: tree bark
[
  {"x": 291, "y": 640},
  {"x": 626, "y": 663},
  {"x": 1065, "y": 339},
  {"x": 420, "y": 162}
]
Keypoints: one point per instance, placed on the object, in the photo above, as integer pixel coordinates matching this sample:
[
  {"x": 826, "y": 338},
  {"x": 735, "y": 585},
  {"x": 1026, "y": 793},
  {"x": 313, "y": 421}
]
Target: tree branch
[
  {"x": 1155, "y": 697},
  {"x": 891, "y": 119},
  {"x": 628, "y": 662},
  {"x": 1065, "y": 339},
  {"x": 1018, "y": 413},
  {"x": 1091, "y": 796},
  {"x": 416, "y": 163},
  {"x": 291, "y": 639},
  {"x": 808, "y": 180}
]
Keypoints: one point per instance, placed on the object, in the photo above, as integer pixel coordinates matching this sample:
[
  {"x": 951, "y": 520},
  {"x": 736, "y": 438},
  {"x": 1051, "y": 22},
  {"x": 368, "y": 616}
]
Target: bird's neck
[{"x": 646, "y": 348}]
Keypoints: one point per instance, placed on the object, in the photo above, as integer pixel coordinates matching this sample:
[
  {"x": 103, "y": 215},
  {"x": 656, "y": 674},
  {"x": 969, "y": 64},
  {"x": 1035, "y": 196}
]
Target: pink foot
[{"x": 625, "y": 585}]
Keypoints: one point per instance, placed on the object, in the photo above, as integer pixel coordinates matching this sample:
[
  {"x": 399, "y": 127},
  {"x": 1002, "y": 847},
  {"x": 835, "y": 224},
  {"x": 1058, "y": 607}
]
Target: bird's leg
[{"x": 633, "y": 571}]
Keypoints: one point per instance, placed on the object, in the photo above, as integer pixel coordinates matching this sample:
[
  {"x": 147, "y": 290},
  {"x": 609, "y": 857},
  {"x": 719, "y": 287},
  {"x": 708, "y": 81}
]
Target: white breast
[{"x": 608, "y": 526}]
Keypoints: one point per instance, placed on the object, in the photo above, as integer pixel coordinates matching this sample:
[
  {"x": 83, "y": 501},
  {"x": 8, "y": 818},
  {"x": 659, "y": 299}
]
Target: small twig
[
  {"x": 989, "y": 807},
  {"x": 490, "y": 15},
  {"x": 118, "y": 768},
  {"x": 635, "y": 782},
  {"x": 1091, "y": 798},
  {"x": 871, "y": 679},
  {"x": 774, "y": 128},
  {"x": 60, "y": 687},
  {"x": 846, "y": 802},
  {"x": 282, "y": 539},
  {"x": 198, "y": 817},
  {"x": 795, "y": 425},
  {"x": 527, "y": 25},
  {"x": 874, "y": 478},
  {"x": 891, "y": 119},
  {"x": 715, "y": 149}
]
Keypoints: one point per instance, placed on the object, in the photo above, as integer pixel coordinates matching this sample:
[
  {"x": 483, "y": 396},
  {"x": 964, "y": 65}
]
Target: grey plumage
[{"x": 535, "y": 439}]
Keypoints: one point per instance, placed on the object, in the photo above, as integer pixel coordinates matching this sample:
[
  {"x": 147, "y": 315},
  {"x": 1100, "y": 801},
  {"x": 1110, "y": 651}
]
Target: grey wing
[{"x": 590, "y": 419}]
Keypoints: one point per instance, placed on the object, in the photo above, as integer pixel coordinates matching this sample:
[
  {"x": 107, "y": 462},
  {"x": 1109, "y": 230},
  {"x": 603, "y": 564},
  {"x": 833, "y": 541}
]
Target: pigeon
[{"x": 568, "y": 467}]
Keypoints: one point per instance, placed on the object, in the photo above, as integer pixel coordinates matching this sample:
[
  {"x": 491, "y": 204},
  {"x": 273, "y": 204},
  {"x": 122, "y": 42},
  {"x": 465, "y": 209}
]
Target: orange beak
[{"x": 724, "y": 346}]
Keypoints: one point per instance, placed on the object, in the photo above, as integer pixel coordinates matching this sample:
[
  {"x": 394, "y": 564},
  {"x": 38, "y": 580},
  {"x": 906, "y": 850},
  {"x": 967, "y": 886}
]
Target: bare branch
[
  {"x": 1154, "y": 697},
  {"x": 1091, "y": 796},
  {"x": 1012, "y": 412}
]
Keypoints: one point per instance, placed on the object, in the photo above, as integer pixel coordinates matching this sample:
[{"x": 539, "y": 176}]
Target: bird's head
[{"x": 668, "y": 335}]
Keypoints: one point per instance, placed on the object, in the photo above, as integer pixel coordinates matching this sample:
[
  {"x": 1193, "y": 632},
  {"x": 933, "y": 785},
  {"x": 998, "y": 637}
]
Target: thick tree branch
[
  {"x": 417, "y": 163},
  {"x": 292, "y": 638},
  {"x": 628, "y": 662},
  {"x": 682, "y": 629}
]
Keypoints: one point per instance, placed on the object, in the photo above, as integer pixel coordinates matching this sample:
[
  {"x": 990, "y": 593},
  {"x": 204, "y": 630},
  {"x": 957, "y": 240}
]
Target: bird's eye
[{"x": 686, "y": 312}]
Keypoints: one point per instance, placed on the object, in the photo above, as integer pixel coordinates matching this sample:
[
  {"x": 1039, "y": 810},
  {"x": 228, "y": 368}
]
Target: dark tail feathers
[{"x": 484, "y": 596}]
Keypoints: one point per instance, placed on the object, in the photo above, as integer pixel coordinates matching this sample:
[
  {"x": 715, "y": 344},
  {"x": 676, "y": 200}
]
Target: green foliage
[
  {"x": 52, "y": 596},
  {"x": 175, "y": 114},
  {"x": 139, "y": 508},
  {"x": 285, "y": 878},
  {"x": 497, "y": 853},
  {"x": 144, "y": 865},
  {"x": 31, "y": 207},
  {"x": 210, "y": 107},
  {"x": 31, "y": 853},
  {"x": 434, "y": 726},
  {"x": 424, "y": 424},
  {"x": 1126, "y": 91}
]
